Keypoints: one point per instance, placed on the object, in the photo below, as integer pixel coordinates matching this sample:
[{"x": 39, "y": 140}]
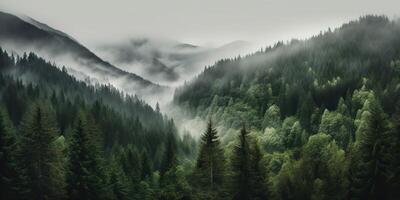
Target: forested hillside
[
  {"x": 21, "y": 34},
  {"x": 61, "y": 138},
  {"x": 313, "y": 119},
  {"x": 323, "y": 111}
]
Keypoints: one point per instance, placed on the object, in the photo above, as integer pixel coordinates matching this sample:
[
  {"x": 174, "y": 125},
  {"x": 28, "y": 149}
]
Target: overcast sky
[{"x": 211, "y": 22}]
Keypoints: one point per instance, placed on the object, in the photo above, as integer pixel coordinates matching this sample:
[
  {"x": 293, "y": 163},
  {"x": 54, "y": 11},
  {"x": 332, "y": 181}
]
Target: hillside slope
[
  {"x": 25, "y": 34},
  {"x": 316, "y": 72}
]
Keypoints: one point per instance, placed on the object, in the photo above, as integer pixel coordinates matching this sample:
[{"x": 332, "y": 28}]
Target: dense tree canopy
[{"x": 322, "y": 121}]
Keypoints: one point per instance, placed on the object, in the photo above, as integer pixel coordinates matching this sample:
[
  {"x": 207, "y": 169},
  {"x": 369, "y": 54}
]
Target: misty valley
[{"x": 153, "y": 118}]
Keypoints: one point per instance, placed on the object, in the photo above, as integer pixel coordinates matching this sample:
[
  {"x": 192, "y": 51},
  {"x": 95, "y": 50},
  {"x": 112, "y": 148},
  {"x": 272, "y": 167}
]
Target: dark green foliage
[
  {"x": 7, "y": 158},
  {"x": 301, "y": 75},
  {"x": 170, "y": 157},
  {"x": 210, "y": 171},
  {"x": 394, "y": 172},
  {"x": 319, "y": 107},
  {"x": 85, "y": 175},
  {"x": 322, "y": 110},
  {"x": 172, "y": 181},
  {"x": 258, "y": 180},
  {"x": 39, "y": 165},
  {"x": 370, "y": 164},
  {"x": 147, "y": 168},
  {"x": 248, "y": 181},
  {"x": 125, "y": 127},
  {"x": 241, "y": 162},
  {"x": 118, "y": 183}
]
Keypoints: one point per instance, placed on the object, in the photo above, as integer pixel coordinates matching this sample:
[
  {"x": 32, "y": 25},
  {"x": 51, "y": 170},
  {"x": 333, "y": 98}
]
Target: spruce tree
[
  {"x": 118, "y": 183},
  {"x": 259, "y": 188},
  {"x": 131, "y": 163},
  {"x": 170, "y": 157},
  {"x": 394, "y": 174},
  {"x": 85, "y": 177},
  {"x": 210, "y": 167},
  {"x": 170, "y": 179},
  {"x": 369, "y": 157},
  {"x": 241, "y": 183},
  {"x": 147, "y": 168},
  {"x": 8, "y": 172},
  {"x": 41, "y": 173}
]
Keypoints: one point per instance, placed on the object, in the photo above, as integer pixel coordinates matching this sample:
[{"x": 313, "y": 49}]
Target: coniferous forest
[{"x": 304, "y": 119}]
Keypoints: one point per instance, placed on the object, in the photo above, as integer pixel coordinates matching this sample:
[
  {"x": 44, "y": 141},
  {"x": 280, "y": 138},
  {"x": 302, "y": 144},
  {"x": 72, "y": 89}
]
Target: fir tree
[
  {"x": 170, "y": 157},
  {"x": 369, "y": 158},
  {"x": 241, "y": 162},
  {"x": 210, "y": 167},
  {"x": 118, "y": 182},
  {"x": 7, "y": 158},
  {"x": 85, "y": 177},
  {"x": 41, "y": 173},
  {"x": 259, "y": 188},
  {"x": 146, "y": 165},
  {"x": 394, "y": 177}
]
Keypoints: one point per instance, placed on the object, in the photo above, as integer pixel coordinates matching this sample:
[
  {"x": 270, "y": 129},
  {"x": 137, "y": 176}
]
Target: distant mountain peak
[
  {"x": 44, "y": 27},
  {"x": 186, "y": 46},
  {"x": 24, "y": 34}
]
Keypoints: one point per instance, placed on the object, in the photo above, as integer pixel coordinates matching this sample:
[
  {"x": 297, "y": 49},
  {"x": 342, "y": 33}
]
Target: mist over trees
[
  {"x": 313, "y": 119},
  {"x": 66, "y": 139},
  {"x": 322, "y": 111}
]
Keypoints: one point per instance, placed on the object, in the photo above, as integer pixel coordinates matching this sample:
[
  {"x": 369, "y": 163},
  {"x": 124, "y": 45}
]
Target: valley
[{"x": 155, "y": 118}]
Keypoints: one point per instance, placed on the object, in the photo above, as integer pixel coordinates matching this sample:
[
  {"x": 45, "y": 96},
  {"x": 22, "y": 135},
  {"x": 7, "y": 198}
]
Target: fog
[
  {"x": 170, "y": 42},
  {"x": 168, "y": 62},
  {"x": 86, "y": 70},
  {"x": 197, "y": 22}
]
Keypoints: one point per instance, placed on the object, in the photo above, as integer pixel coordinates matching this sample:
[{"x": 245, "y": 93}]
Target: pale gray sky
[{"x": 197, "y": 21}]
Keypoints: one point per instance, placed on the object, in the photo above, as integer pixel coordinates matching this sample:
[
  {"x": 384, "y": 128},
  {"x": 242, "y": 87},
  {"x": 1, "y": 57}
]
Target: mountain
[
  {"x": 319, "y": 71},
  {"x": 23, "y": 34},
  {"x": 167, "y": 62}
]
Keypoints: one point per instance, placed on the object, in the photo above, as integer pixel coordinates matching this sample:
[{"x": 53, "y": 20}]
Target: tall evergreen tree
[
  {"x": 85, "y": 177},
  {"x": 394, "y": 178},
  {"x": 41, "y": 173},
  {"x": 170, "y": 157},
  {"x": 118, "y": 182},
  {"x": 369, "y": 157},
  {"x": 210, "y": 167},
  {"x": 173, "y": 184},
  {"x": 259, "y": 188},
  {"x": 130, "y": 161},
  {"x": 147, "y": 168},
  {"x": 7, "y": 158},
  {"x": 241, "y": 161}
]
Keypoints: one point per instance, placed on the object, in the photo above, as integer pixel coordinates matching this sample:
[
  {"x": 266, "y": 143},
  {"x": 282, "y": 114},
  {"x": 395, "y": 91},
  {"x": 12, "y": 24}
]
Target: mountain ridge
[{"x": 31, "y": 35}]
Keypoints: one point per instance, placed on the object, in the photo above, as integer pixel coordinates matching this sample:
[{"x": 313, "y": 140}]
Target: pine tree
[
  {"x": 118, "y": 181},
  {"x": 241, "y": 162},
  {"x": 41, "y": 173},
  {"x": 131, "y": 163},
  {"x": 210, "y": 167},
  {"x": 8, "y": 172},
  {"x": 305, "y": 111},
  {"x": 170, "y": 157},
  {"x": 147, "y": 168},
  {"x": 85, "y": 177},
  {"x": 118, "y": 186},
  {"x": 173, "y": 185},
  {"x": 158, "y": 108},
  {"x": 258, "y": 187},
  {"x": 369, "y": 164},
  {"x": 394, "y": 177}
]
